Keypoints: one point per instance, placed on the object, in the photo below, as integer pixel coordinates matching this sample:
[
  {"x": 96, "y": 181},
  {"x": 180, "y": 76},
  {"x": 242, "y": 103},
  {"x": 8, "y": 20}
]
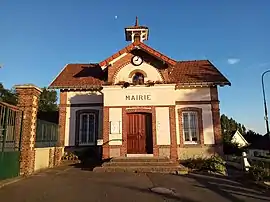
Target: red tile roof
[
  {"x": 79, "y": 75},
  {"x": 182, "y": 72},
  {"x": 197, "y": 71}
]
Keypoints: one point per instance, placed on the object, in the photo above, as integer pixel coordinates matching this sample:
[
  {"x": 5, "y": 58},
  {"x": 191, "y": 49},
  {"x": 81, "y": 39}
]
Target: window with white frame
[
  {"x": 87, "y": 128},
  {"x": 190, "y": 127}
]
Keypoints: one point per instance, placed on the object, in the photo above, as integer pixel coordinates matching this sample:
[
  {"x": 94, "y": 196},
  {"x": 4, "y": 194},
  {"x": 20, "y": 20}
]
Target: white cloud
[{"x": 233, "y": 61}]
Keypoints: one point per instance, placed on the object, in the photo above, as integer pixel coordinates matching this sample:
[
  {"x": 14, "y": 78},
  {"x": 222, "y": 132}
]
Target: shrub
[
  {"x": 230, "y": 148},
  {"x": 69, "y": 156},
  {"x": 259, "y": 173},
  {"x": 214, "y": 164}
]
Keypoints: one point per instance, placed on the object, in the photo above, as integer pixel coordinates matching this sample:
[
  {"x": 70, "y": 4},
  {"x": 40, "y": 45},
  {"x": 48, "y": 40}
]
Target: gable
[
  {"x": 127, "y": 72},
  {"x": 135, "y": 46},
  {"x": 118, "y": 68},
  {"x": 239, "y": 139}
]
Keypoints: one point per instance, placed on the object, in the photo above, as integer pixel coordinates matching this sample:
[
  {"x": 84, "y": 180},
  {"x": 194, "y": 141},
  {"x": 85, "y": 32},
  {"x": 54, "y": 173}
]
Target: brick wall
[
  {"x": 106, "y": 130},
  {"x": 28, "y": 96},
  {"x": 173, "y": 147},
  {"x": 62, "y": 117},
  {"x": 216, "y": 119},
  {"x": 125, "y": 60}
]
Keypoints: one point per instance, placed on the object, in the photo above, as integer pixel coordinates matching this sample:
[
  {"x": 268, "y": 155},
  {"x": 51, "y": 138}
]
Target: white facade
[{"x": 161, "y": 96}]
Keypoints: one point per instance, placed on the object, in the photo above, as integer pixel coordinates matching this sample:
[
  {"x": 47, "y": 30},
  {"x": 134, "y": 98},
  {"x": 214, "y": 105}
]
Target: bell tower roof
[{"x": 136, "y": 32}]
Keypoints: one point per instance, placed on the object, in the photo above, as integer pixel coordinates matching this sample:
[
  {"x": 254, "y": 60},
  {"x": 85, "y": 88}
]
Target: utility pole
[
  {"x": 265, "y": 107},
  {"x": 265, "y": 104}
]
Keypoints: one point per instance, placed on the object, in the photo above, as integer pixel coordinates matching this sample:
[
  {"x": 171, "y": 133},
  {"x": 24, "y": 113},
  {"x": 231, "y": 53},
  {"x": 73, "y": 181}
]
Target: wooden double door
[{"x": 139, "y": 134}]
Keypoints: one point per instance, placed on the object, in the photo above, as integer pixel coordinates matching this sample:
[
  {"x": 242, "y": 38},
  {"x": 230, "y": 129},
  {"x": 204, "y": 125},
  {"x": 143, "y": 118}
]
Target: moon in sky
[{"x": 115, "y": 17}]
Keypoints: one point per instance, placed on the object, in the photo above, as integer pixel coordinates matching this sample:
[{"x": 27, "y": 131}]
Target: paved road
[{"x": 70, "y": 184}]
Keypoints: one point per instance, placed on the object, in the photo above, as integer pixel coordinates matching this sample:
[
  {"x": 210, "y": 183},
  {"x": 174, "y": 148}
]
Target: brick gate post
[{"x": 28, "y": 97}]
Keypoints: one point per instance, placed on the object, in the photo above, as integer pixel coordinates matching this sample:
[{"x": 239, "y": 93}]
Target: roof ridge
[
  {"x": 142, "y": 45},
  {"x": 193, "y": 60},
  {"x": 83, "y": 63}
]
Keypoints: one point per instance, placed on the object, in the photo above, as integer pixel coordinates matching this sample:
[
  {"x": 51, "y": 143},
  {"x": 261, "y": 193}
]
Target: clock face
[{"x": 137, "y": 60}]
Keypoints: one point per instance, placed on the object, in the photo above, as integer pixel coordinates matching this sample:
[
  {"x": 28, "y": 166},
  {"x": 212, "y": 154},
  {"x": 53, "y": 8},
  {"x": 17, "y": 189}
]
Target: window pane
[
  {"x": 187, "y": 136},
  {"x": 91, "y": 128},
  {"x": 190, "y": 126},
  {"x": 194, "y": 135},
  {"x": 192, "y": 120},
  {"x": 84, "y": 128},
  {"x": 185, "y": 121}
]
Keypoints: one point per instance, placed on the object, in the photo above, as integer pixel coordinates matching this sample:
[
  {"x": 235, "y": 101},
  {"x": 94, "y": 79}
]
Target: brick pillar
[
  {"x": 28, "y": 96},
  {"x": 173, "y": 149},
  {"x": 62, "y": 118},
  {"x": 106, "y": 130},
  {"x": 216, "y": 120},
  {"x": 58, "y": 151}
]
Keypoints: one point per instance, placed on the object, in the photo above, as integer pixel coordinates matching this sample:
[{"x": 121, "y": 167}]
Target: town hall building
[{"x": 139, "y": 102}]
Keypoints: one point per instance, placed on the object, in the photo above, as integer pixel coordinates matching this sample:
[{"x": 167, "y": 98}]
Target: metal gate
[{"x": 10, "y": 140}]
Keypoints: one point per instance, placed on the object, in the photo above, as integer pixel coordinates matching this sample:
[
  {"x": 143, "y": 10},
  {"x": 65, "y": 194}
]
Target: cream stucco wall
[
  {"x": 151, "y": 72},
  {"x": 42, "y": 157},
  {"x": 157, "y": 95},
  {"x": 193, "y": 94},
  {"x": 208, "y": 130},
  {"x": 115, "y": 118},
  {"x": 163, "y": 126},
  {"x": 81, "y": 98}
]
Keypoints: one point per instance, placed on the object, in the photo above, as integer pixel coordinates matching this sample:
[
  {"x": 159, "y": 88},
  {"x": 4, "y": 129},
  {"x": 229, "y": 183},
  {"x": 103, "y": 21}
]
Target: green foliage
[
  {"x": 259, "y": 173},
  {"x": 8, "y": 96},
  {"x": 69, "y": 156},
  {"x": 48, "y": 100},
  {"x": 232, "y": 148},
  {"x": 214, "y": 164},
  {"x": 228, "y": 127}
]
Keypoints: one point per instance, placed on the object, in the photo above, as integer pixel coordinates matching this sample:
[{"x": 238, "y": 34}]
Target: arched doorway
[{"x": 139, "y": 133}]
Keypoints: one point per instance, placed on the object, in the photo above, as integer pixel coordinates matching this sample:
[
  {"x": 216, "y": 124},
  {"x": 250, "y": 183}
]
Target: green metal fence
[
  {"x": 10, "y": 140},
  {"x": 47, "y": 134}
]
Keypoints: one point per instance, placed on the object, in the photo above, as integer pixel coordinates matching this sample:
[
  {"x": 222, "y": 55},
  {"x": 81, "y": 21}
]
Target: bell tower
[{"x": 136, "y": 33}]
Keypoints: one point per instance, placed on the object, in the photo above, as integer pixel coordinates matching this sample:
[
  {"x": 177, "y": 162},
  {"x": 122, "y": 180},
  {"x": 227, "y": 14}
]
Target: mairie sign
[{"x": 138, "y": 97}]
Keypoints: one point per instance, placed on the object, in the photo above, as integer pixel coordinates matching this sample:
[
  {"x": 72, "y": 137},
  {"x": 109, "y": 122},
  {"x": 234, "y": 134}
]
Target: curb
[
  {"x": 262, "y": 185},
  {"x": 10, "y": 181}
]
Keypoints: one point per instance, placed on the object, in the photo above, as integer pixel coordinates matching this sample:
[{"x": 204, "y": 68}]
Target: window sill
[
  {"x": 88, "y": 144},
  {"x": 191, "y": 143}
]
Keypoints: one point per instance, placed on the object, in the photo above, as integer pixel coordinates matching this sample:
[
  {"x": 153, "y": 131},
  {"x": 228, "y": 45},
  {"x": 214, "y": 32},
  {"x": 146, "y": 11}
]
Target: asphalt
[{"x": 70, "y": 184}]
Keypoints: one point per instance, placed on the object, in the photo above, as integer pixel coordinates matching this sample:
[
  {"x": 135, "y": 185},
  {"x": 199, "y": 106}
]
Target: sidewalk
[
  {"x": 10, "y": 181},
  {"x": 54, "y": 170}
]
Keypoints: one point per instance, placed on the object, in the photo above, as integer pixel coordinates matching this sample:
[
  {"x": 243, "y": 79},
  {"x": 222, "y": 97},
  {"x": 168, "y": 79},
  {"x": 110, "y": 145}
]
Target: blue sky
[{"x": 37, "y": 38}]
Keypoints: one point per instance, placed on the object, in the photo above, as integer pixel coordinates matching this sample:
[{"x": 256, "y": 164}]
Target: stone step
[
  {"x": 139, "y": 163},
  {"x": 144, "y": 169},
  {"x": 140, "y": 159}
]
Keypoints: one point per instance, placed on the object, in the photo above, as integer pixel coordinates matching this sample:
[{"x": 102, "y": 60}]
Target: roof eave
[
  {"x": 205, "y": 84},
  {"x": 86, "y": 87}
]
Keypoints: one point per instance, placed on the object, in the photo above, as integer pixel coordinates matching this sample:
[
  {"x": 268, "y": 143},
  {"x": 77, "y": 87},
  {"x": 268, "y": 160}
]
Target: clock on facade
[{"x": 137, "y": 60}]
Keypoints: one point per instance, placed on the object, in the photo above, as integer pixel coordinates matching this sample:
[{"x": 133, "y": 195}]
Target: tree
[
  {"x": 8, "y": 96},
  {"x": 48, "y": 100},
  {"x": 229, "y": 126}
]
